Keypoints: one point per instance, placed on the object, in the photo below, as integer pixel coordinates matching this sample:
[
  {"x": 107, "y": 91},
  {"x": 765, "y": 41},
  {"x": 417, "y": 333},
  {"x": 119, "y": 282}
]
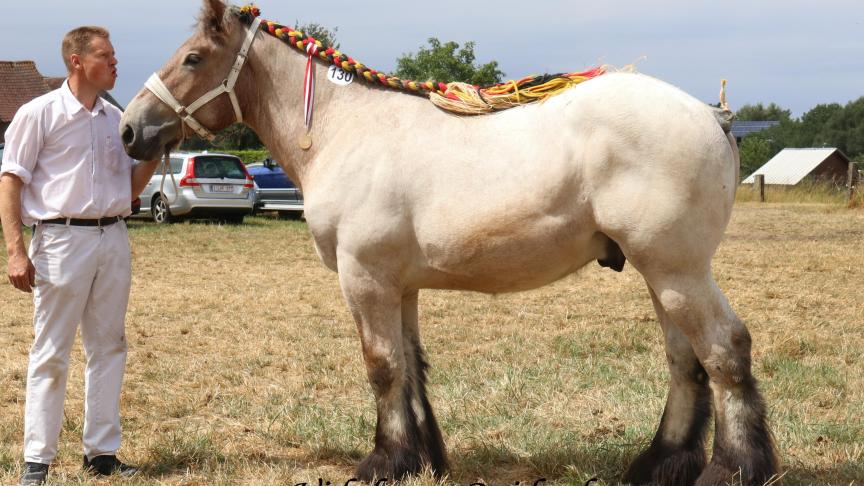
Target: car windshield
[{"x": 218, "y": 167}]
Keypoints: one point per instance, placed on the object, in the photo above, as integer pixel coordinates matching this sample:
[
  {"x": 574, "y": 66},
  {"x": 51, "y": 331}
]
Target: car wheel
[{"x": 161, "y": 212}]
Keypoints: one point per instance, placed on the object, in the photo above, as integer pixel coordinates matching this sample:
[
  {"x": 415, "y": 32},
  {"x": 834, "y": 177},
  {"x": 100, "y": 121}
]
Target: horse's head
[{"x": 198, "y": 68}]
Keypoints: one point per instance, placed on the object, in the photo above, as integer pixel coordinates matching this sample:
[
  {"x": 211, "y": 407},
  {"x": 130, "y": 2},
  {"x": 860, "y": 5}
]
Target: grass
[
  {"x": 808, "y": 191},
  {"x": 244, "y": 365}
]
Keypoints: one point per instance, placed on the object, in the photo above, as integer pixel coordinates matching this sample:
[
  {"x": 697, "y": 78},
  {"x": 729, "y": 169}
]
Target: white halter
[{"x": 158, "y": 88}]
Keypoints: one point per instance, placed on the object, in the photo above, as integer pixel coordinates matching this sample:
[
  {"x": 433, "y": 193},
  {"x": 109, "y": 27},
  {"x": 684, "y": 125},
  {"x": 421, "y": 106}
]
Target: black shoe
[
  {"x": 108, "y": 465},
  {"x": 34, "y": 474}
]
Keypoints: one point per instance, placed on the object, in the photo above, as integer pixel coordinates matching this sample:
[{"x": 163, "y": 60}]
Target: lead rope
[{"x": 166, "y": 160}]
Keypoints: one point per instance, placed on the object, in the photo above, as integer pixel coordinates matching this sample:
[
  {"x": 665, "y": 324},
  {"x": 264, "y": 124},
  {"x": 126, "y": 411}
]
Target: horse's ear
[{"x": 213, "y": 17}]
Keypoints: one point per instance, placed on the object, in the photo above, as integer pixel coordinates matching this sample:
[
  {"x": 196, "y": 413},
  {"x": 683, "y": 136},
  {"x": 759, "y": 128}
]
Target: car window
[
  {"x": 176, "y": 165},
  {"x": 216, "y": 167}
]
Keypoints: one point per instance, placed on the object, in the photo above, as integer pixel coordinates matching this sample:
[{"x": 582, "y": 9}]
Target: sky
[{"x": 794, "y": 53}]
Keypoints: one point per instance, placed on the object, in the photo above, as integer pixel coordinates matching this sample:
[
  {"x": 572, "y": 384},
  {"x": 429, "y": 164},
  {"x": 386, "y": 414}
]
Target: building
[
  {"x": 20, "y": 82},
  {"x": 741, "y": 129},
  {"x": 793, "y": 165}
]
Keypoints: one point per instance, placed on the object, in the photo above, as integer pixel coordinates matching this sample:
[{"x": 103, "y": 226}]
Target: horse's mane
[{"x": 455, "y": 97}]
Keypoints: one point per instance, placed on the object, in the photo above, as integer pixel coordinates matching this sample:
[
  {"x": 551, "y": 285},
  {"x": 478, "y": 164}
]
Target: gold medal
[{"x": 304, "y": 141}]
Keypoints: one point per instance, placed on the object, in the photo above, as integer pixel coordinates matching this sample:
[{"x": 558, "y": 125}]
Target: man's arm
[
  {"x": 22, "y": 274},
  {"x": 141, "y": 174}
]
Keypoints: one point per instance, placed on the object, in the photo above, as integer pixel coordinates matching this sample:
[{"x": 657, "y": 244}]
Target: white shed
[{"x": 792, "y": 165}]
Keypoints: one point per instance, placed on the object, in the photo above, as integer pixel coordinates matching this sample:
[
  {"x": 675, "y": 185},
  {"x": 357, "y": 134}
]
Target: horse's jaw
[{"x": 148, "y": 129}]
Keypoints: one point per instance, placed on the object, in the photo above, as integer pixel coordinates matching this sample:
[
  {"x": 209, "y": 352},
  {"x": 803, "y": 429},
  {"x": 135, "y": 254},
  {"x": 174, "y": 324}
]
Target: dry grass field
[{"x": 244, "y": 366}]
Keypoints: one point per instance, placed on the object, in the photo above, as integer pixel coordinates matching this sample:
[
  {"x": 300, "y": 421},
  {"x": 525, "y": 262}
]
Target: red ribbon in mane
[{"x": 309, "y": 82}]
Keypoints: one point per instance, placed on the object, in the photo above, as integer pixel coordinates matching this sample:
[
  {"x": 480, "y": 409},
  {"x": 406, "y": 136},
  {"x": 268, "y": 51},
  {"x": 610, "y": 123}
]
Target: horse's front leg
[{"x": 375, "y": 302}]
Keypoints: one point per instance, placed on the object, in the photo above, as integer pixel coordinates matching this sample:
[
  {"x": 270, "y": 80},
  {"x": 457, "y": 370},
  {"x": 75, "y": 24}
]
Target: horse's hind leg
[
  {"x": 677, "y": 453},
  {"x": 376, "y": 305},
  {"x": 743, "y": 446}
]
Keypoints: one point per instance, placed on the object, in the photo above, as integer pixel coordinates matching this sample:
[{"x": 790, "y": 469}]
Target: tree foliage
[
  {"x": 447, "y": 62},
  {"x": 759, "y": 112},
  {"x": 236, "y": 137},
  {"x": 319, "y": 32},
  {"x": 754, "y": 152}
]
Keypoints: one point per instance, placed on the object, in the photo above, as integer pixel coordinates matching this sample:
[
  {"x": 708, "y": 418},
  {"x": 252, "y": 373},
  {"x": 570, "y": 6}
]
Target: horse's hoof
[
  {"x": 392, "y": 465},
  {"x": 666, "y": 467}
]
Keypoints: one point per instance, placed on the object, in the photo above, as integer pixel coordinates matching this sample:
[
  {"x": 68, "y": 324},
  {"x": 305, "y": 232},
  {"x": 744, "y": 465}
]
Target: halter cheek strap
[{"x": 158, "y": 88}]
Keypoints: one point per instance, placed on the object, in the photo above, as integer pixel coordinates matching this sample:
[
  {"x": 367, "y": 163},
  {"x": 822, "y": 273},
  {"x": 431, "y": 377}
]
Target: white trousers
[{"x": 83, "y": 277}]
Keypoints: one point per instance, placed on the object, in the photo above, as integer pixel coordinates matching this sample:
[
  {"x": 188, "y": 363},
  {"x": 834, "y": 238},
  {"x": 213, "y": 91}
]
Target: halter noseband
[{"x": 158, "y": 88}]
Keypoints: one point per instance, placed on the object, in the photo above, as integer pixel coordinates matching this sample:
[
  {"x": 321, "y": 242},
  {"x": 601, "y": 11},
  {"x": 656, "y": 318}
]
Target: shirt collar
[{"x": 71, "y": 104}]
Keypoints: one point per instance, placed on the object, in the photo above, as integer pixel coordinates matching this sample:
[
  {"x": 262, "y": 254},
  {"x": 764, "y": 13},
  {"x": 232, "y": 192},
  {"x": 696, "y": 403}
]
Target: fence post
[
  {"x": 759, "y": 185},
  {"x": 851, "y": 180}
]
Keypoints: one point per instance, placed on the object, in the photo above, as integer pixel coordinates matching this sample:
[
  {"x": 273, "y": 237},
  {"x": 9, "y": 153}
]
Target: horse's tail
[
  {"x": 724, "y": 117},
  {"x": 722, "y": 113}
]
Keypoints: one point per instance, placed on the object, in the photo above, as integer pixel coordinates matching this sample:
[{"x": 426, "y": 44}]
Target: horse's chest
[{"x": 324, "y": 240}]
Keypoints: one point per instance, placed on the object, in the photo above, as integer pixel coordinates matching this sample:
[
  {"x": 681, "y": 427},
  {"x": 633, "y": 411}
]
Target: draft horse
[{"x": 401, "y": 196}]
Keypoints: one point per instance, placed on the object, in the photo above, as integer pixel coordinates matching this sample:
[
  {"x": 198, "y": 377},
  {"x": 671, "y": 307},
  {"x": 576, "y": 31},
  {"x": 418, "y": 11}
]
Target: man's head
[{"x": 89, "y": 56}]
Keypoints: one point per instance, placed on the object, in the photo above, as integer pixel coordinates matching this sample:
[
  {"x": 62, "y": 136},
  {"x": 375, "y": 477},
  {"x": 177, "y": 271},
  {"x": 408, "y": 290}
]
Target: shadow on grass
[
  {"x": 843, "y": 473},
  {"x": 490, "y": 464},
  {"x": 567, "y": 464}
]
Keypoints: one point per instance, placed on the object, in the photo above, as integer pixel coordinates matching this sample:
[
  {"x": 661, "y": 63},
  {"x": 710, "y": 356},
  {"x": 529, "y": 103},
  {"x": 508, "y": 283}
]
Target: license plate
[{"x": 221, "y": 188}]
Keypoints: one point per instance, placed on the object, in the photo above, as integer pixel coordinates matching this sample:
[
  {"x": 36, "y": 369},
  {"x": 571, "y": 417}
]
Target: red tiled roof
[
  {"x": 54, "y": 82},
  {"x": 20, "y": 82}
]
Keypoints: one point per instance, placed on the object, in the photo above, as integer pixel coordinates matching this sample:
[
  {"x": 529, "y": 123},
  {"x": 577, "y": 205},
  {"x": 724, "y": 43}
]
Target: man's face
[{"x": 99, "y": 65}]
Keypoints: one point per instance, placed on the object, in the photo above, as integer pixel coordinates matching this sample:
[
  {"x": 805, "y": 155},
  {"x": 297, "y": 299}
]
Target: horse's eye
[{"x": 192, "y": 60}]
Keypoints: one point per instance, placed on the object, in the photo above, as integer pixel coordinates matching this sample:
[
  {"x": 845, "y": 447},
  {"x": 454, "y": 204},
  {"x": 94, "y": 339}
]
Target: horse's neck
[{"x": 276, "y": 105}]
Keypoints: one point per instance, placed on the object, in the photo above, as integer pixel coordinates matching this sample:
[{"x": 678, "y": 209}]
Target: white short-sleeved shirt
[{"x": 71, "y": 160}]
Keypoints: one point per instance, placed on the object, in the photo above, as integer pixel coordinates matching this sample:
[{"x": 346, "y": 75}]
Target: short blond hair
[{"x": 77, "y": 41}]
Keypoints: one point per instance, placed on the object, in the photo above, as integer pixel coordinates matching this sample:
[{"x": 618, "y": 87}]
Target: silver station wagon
[{"x": 208, "y": 185}]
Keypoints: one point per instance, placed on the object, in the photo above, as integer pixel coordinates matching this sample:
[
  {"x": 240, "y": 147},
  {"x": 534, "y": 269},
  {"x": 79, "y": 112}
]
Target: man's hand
[
  {"x": 22, "y": 273},
  {"x": 141, "y": 174},
  {"x": 20, "y": 269}
]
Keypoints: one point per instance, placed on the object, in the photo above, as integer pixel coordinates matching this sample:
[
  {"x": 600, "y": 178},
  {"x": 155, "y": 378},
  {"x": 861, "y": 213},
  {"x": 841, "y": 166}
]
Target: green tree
[
  {"x": 235, "y": 137},
  {"x": 759, "y": 112},
  {"x": 754, "y": 152},
  {"x": 447, "y": 62},
  {"x": 319, "y": 32}
]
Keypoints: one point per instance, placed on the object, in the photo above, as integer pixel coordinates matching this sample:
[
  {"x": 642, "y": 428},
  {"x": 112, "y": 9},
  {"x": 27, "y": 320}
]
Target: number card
[{"x": 339, "y": 76}]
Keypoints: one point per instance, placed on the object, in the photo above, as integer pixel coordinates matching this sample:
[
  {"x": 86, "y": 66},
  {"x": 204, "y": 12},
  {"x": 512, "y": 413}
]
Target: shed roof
[
  {"x": 20, "y": 82},
  {"x": 744, "y": 128},
  {"x": 792, "y": 165}
]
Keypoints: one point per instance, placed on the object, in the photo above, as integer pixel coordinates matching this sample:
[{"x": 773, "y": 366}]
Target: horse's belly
[{"x": 506, "y": 260}]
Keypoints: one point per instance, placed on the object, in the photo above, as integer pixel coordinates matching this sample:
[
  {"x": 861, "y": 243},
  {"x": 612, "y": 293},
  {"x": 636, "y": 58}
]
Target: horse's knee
[
  {"x": 385, "y": 369},
  {"x": 728, "y": 360}
]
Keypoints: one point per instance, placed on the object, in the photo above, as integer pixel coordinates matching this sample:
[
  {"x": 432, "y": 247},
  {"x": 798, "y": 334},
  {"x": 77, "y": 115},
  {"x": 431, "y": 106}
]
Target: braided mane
[{"x": 456, "y": 97}]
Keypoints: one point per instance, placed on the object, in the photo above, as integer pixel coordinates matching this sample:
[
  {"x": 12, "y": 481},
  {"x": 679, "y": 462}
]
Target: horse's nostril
[{"x": 128, "y": 135}]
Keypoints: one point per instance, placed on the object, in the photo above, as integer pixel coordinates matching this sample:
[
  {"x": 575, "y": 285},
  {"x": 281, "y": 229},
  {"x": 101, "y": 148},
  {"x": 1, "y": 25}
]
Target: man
[{"x": 64, "y": 172}]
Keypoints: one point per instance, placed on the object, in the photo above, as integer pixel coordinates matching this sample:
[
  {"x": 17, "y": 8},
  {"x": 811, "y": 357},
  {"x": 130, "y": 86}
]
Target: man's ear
[{"x": 75, "y": 61}]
